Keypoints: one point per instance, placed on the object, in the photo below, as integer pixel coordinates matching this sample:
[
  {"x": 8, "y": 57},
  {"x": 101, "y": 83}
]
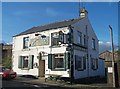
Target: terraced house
[{"x": 68, "y": 48}]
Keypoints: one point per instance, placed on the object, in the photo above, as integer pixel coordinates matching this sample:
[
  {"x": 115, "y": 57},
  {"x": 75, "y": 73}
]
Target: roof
[
  {"x": 101, "y": 58},
  {"x": 64, "y": 23},
  {"x": 105, "y": 52}
]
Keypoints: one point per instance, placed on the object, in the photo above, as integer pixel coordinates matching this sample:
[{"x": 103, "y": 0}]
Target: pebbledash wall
[{"x": 77, "y": 50}]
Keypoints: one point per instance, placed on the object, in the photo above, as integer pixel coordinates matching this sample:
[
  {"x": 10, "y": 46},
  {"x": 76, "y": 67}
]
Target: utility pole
[{"x": 113, "y": 61}]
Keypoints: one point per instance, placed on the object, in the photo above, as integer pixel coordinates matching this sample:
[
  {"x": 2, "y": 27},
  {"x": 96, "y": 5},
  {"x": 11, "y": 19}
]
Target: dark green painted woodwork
[
  {"x": 20, "y": 64},
  {"x": 31, "y": 60},
  {"x": 49, "y": 61}
]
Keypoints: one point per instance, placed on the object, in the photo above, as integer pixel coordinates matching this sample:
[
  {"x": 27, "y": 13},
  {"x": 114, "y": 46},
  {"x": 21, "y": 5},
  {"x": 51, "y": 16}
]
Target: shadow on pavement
[{"x": 29, "y": 76}]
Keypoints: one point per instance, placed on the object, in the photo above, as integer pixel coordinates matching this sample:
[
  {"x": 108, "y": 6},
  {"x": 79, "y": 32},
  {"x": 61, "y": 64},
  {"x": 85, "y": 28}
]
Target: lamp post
[{"x": 113, "y": 61}]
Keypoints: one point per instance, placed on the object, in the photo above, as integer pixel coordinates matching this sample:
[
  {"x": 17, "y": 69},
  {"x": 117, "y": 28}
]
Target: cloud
[
  {"x": 2, "y": 41},
  {"x": 103, "y": 46},
  {"x": 51, "y": 12},
  {"x": 100, "y": 42},
  {"x": 9, "y": 43}
]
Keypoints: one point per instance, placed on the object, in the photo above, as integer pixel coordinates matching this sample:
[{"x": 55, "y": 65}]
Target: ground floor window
[
  {"x": 94, "y": 63},
  {"x": 58, "y": 61},
  {"x": 80, "y": 62},
  {"x": 25, "y": 62}
]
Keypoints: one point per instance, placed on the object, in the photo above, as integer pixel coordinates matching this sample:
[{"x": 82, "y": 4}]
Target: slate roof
[{"x": 64, "y": 23}]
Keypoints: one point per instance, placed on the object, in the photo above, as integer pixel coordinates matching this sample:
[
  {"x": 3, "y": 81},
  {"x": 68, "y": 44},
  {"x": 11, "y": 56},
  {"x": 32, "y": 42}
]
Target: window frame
[
  {"x": 77, "y": 60},
  {"x": 30, "y": 62},
  {"x": 85, "y": 41},
  {"x": 57, "y": 57},
  {"x": 93, "y": 44},
  {"x": 52, "y": 39},
  {"x": 24, "y": 63},
  {"x": 79, "y": 34},
  {"x": 25, "y": 42},
  {"x": 94, "y": 63}
]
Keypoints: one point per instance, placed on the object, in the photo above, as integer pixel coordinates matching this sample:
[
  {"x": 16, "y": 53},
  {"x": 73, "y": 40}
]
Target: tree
[{"x": 7, "y": 62}]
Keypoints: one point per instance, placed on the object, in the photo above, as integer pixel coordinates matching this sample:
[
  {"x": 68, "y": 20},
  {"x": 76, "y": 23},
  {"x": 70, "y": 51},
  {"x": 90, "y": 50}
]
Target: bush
[{"x": 7, "y": 62}]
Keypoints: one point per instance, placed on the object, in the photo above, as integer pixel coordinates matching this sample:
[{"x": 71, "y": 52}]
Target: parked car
[{"x": 6, "y": 73}]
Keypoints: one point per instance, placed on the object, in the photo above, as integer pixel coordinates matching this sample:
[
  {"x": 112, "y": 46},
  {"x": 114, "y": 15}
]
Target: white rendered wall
[{"x": 19, "y": 51}]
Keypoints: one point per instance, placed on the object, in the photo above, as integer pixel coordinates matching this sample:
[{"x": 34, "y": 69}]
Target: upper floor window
[
  {"x": 79, "y": 37},
  {"x": 93, "y": 43},
  {"x": 85, "y": 41},
  {"x": 25, "y": 42},
  {"x": 55, "y": 38}
]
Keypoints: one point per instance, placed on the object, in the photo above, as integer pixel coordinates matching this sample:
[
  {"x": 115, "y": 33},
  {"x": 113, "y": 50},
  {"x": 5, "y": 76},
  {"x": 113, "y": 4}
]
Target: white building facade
[{"x": 68, "y": 48}]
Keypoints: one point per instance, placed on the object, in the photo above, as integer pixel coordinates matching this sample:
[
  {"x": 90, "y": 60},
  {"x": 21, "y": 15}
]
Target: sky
[
  {"x": 59, "y": 0},
  {"x": 20, "y": 16}
]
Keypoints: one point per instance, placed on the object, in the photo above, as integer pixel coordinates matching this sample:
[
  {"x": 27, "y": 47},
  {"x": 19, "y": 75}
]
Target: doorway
[{"x": 41, "y": 68}]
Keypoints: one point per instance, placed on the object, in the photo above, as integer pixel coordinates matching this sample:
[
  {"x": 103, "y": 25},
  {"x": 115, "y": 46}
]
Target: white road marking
[{"x": 35, "y": 85}]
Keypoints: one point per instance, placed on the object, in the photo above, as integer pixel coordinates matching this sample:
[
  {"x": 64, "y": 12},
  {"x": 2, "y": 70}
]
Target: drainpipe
[
  {"x": 71, "y": 56},
  {"x": 87, "y": 51}
]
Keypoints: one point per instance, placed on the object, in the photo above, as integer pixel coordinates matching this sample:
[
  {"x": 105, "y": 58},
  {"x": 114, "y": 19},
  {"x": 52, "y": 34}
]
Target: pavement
[{"x": 62, "y": 84}]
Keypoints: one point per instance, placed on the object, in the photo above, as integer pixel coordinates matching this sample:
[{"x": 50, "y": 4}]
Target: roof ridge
[
  {"x": 58, "y": 22},
  {"x": 52, "y": 25}
]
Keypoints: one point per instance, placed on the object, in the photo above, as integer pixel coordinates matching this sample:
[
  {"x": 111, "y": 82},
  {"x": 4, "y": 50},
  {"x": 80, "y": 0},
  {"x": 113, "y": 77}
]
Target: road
[
  {"x": 6, "y": 84},
  {"x": 17, "y": 83},
  {"x": 27, "y": 83},
  {"x": 12, "y": 83}
]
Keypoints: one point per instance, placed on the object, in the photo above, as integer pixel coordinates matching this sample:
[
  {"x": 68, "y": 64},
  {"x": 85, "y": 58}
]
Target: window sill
[
  {"x": 39, "y": 45},
  {"x": 80, "y": 45},
  {"x": 25, "y": 49},
  {"x": 55, "y": 46},
  {"x": 58, "y": 69},
  {"x": 93, "y": 49},
  {"x": 24, "y": 68},
  {"x": 80, "y": 69},
  {"x": 94, "y": 69}
]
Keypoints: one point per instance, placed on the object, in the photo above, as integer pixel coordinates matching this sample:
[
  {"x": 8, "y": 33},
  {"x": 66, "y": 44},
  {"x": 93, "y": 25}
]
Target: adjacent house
[
  {"x": 107, "y": 55},
  {"x": 68, "y": 48},
  {"x": 5, "y": 52}
]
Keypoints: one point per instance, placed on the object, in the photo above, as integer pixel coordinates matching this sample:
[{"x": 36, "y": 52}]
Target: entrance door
[{"x": 41, "y": 68}]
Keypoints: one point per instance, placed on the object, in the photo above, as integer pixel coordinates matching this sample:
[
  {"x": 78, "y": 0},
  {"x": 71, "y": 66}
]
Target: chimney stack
[{"x": 83, "y": 13}]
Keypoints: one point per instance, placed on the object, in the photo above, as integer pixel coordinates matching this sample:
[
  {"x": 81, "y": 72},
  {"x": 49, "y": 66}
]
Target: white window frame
[
  {"x": 53, "y": 37},
  {"x": 30, "y": 61},
  {"x": 25, "y": 42},
  {"x": 57, "y": 57},
  {"x": 25, "y": 58}
]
